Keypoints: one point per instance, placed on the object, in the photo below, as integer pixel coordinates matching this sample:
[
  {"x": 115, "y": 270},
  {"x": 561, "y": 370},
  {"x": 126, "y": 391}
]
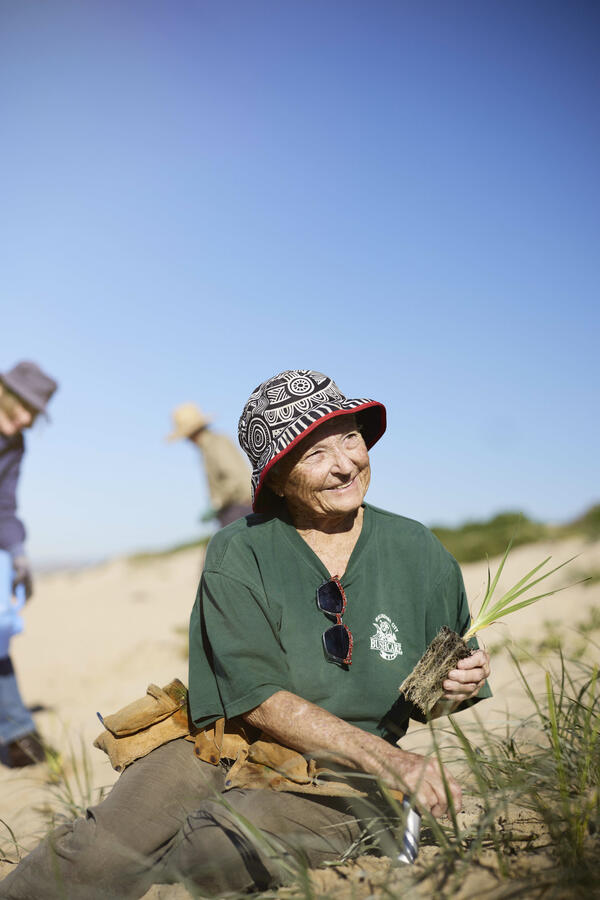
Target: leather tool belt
[{"x": 252, "y": 758}]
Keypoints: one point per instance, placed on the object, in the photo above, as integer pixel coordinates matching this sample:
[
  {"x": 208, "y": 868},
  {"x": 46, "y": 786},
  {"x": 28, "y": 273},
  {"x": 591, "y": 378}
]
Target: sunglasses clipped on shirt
[{"x": 337, "y": 640}]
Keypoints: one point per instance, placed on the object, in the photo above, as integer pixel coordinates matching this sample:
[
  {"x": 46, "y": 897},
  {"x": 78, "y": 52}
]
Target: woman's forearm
[
  {"x": 308, "y": 728},
  {"x": 302, "y": 725}
]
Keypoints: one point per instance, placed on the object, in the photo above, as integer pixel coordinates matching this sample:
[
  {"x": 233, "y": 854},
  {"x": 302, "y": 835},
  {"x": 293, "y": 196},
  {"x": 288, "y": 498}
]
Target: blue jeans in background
[{"x": 15, "y": 718}]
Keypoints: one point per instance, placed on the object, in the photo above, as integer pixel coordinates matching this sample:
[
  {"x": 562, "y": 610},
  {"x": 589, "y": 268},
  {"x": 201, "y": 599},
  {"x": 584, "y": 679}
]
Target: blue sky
[{"x": 198, "y": 195}]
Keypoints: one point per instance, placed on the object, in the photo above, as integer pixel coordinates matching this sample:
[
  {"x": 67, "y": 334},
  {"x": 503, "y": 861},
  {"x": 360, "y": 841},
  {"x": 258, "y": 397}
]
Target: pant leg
[
  {"x": 255, "y": 840},
  {"x": 111, "y": 852},
  {"x": 166, "y": 820},
  {"x": 15, "y": 718}
]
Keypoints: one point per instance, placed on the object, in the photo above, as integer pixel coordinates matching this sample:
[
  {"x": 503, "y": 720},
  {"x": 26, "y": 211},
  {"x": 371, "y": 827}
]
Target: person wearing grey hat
[
  {"x": 309, "y": 614},
  {"x": 25, "y": 391}
]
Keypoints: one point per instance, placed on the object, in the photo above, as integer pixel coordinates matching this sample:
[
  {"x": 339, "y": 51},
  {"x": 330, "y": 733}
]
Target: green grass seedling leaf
[
  {"x": 490, "y": 612},
  {"x": 513, "y": 593},
  {"x": 530, "y": 574},
  {"x": 527, "y": 687},
  {"x": 494, "y": 616},
  {"x": 591, "y": 730},
  {"x": 492, "y": 587},
  {"x": 555, "y": 738},
  {"x": 13, "y": 839},
  {"x": 449, "y": 798}
]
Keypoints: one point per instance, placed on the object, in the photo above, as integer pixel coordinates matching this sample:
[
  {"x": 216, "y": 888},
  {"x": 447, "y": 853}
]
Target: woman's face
[
  {"x": 328, "y": 474},
  {"x": 14, "y": 415}
]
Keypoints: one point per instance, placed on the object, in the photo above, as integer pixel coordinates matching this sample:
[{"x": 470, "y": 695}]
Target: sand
[{"x": 95, "y": 638}]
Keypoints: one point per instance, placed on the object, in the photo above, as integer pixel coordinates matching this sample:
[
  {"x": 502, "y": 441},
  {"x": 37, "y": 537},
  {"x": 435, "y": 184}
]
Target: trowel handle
[{"x": 412, "y": 833}]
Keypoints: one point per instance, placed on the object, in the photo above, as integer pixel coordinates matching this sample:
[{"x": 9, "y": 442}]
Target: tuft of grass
[
  {"x": 534, "y": 787},
  {"x": 70, "y": 785},
  {"x": 15, "y": 848}
]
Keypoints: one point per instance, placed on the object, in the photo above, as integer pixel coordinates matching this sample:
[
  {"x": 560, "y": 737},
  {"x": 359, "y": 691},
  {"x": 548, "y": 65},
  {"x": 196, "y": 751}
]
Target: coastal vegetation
[{"x": 474, "y": 540}]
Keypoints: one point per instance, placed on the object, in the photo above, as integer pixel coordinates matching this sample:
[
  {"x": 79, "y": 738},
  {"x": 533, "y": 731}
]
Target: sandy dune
[{"x": 95, "y": 638}]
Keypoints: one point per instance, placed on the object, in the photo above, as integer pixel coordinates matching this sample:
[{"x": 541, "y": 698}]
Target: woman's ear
[{"x": 275, "y": 480}]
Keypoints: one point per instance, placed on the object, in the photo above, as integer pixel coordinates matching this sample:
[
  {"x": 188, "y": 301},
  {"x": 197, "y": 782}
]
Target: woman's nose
[{"x": 343, "y": 463}]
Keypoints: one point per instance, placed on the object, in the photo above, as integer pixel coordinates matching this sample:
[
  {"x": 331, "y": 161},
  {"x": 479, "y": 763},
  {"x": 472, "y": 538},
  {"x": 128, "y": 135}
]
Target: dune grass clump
[
  {"x": 10, "y": 850},
  {"x": 423, "y": 686},
  {"x": 535, "y": 787},
  {"x": 531, "y": 788}
]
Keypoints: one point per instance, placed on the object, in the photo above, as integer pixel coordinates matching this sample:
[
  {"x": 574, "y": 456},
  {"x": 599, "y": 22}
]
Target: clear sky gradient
[{"x": 198, "y": 195}]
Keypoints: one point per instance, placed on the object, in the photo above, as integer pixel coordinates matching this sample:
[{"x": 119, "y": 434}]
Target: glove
[{"x": 22, "y": 575}]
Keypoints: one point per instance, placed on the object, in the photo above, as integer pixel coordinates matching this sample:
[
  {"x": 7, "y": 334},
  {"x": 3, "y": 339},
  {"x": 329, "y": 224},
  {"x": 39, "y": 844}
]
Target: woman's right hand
[{"x": 421, "y": 778}]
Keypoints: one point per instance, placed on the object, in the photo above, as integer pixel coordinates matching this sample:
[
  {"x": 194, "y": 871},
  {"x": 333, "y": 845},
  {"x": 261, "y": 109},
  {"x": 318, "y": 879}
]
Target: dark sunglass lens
[
  {"x": 337, "y": 642},
  {"x": 329, "y": 598}
]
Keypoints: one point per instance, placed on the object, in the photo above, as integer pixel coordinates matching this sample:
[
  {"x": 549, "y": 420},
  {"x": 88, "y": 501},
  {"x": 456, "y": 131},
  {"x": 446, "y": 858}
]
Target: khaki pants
[{"x": 167, "y": 820}]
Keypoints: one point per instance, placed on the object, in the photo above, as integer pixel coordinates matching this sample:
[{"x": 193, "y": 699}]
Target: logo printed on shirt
[{"x": 384, "y": 640}]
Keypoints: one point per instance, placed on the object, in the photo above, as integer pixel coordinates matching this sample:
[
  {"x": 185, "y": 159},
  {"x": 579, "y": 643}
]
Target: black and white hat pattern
[{"x": 285, "y": 408}]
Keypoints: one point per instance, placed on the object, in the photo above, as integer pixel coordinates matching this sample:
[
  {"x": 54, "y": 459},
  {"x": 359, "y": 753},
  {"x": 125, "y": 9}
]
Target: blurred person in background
[
  {"x": 25, "y": 391},
  {"x": 227, "y": 471}
]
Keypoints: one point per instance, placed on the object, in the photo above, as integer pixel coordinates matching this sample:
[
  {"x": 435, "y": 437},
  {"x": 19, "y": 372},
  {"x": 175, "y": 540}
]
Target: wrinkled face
[
  {"x": 328, "y": 474},
  {"x": 15, "y": 416}
]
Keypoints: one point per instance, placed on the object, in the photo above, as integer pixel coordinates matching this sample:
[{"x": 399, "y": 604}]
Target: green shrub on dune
[{"x": 475, "y": 540}]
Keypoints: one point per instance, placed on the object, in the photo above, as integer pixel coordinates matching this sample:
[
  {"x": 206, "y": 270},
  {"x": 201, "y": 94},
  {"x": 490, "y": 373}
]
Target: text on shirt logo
[{"x": 384, "y": 639}]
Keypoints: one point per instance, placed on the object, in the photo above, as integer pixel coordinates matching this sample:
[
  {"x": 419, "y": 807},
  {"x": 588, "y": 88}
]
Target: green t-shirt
[{"x": 256, "y": 628}]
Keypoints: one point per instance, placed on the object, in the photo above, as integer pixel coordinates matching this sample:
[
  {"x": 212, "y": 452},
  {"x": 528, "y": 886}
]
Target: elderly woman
[{"x": 308, "y": 617}]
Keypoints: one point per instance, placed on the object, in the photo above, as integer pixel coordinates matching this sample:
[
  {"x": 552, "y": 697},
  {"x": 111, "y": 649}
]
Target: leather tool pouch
[
  {"x": 254, "y": 761},
  {"x": 145, "y": 724}
]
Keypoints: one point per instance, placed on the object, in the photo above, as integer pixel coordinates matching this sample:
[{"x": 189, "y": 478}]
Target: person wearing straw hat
[
  {"x": 25, "y": 391},
  {"x": 226, "y": 470},
  {"x": 308, "y": 616}
]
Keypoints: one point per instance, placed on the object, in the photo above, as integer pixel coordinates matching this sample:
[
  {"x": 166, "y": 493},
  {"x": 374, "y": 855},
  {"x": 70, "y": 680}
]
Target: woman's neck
[
  {"x": 341, "y": 524},
  {"x": 332, "y": 540}
]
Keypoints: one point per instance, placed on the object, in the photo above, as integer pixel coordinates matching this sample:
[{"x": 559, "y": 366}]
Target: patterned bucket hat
[{"x": 287, "y": 407}]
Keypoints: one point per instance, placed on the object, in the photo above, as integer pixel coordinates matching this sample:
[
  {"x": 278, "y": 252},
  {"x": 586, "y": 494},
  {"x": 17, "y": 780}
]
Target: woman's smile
[{"x": 342, "y": 487}]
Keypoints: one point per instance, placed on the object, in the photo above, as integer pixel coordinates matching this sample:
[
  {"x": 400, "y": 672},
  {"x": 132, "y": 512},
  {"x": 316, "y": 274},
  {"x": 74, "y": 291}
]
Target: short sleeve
[
  {"x": 456, "y": 586},
  {"x": 452, "y": 599},
  {"x": 236, "y": 658}
]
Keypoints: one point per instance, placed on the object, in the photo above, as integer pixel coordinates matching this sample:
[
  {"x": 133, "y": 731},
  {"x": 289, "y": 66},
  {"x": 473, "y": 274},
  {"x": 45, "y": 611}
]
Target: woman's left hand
[{"x": 467, "y": 679}]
